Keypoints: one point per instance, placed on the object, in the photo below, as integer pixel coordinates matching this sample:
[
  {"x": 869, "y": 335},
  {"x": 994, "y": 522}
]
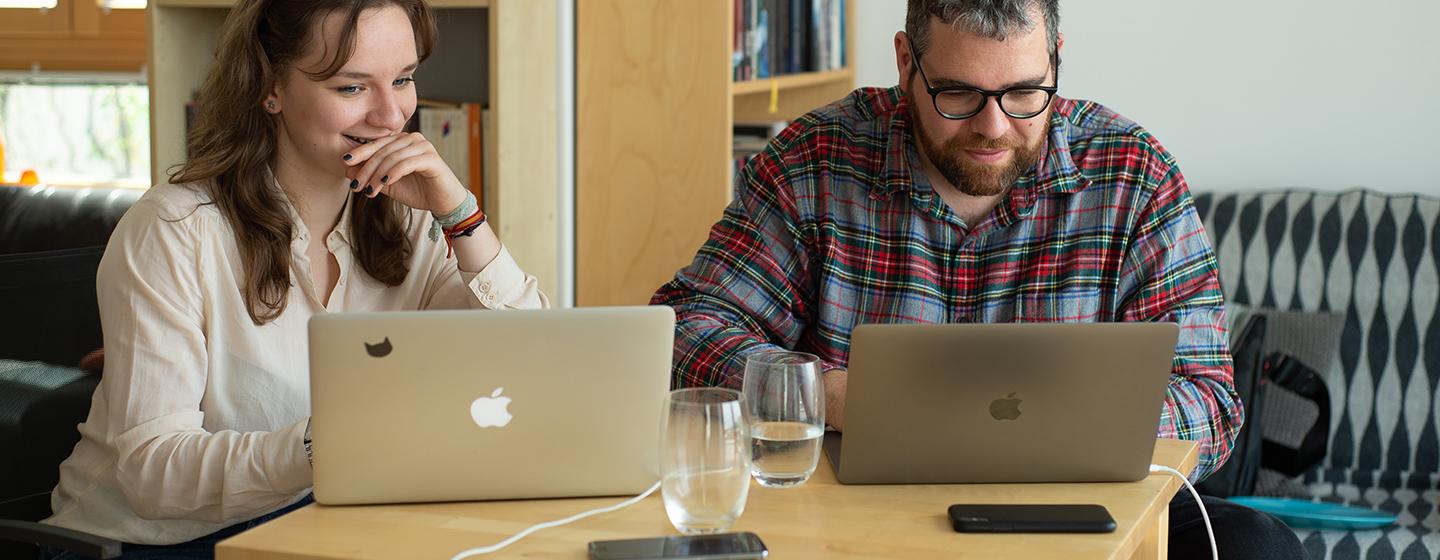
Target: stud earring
[{"x": 270, "y": 105}]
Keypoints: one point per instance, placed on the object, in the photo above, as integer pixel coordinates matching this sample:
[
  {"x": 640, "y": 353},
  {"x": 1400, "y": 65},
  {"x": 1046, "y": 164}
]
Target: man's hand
[{"x": 834, "y": 382}]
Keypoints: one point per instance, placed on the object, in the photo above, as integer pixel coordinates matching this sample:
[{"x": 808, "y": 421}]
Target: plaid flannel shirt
[{"x": 833, "y": 226}]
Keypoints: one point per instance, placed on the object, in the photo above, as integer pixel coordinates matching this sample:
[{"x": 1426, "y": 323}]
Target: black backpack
[
  {"x": 1237, "y": 476},
  {"x": 1287, "y": 418}
]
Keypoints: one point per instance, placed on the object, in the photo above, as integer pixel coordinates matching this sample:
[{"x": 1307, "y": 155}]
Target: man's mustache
[{"x": 980, "y": 143}]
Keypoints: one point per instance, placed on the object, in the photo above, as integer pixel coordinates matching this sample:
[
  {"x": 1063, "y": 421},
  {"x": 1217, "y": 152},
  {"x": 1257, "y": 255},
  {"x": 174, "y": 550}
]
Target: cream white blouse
[{"x": 199, "y": 420}]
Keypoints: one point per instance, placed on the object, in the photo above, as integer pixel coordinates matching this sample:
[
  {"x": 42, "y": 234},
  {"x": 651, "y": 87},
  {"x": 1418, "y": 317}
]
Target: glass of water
[
  {"x": 785, "y": 405},
  {"x": 704, "y": 459}
]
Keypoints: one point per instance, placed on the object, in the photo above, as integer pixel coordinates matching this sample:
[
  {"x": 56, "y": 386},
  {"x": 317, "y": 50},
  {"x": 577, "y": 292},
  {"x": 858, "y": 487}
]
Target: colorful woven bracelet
[
  {"x": 465, "y": 228},
  {"x": 465, "y": 211}
]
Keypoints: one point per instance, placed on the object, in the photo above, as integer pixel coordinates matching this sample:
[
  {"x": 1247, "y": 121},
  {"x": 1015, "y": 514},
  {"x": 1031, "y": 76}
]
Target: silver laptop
[
  {"x": 937, "y": 404},
  {"x": 480, "y": 405}
]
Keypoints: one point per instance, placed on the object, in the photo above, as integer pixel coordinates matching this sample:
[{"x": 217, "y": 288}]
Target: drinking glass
[
  {"x": 704, "y": 459},
  {"x": 785, "y": 406}
]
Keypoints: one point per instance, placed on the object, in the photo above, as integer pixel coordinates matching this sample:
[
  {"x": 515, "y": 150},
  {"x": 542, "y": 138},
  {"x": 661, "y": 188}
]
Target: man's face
[{"x": 984, "y": 154}]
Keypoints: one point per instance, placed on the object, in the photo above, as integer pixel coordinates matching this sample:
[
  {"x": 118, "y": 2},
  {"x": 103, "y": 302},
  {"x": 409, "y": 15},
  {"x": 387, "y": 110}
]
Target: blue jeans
[{"x": 202, "y": 548}]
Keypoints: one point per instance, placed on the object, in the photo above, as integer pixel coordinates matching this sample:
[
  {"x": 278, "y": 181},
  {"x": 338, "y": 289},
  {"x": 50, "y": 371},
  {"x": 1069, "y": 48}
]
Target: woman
[{"x": 301, "y": 196}]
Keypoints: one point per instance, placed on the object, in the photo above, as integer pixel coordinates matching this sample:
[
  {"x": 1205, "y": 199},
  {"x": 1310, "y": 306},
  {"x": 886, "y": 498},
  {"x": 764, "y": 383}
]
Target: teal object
[{"x": 1317, "y": 515}]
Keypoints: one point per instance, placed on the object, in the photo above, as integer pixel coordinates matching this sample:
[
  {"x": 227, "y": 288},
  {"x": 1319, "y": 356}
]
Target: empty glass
[
  {"x": 704, "y": 459},
  {"x": 785, "y": 406}
]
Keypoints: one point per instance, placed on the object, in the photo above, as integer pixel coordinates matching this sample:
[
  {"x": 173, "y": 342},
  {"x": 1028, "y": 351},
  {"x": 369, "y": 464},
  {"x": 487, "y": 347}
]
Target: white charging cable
[
  {"x": 556, "y": 523},
  {"x": 1214, "y": 552}
]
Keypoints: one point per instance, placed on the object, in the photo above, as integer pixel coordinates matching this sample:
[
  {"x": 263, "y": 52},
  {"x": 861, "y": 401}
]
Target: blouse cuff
[
  {"x": 499, "y": 283},
  {"x": 287, "y": 458}
]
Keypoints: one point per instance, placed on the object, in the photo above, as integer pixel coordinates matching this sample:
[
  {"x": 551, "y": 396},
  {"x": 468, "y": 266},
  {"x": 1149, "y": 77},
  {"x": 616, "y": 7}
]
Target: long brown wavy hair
[{"x": 233, "y": 140}]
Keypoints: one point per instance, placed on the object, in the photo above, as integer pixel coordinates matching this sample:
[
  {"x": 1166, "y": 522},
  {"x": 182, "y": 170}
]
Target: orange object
[{"x": 29, "y": 178}]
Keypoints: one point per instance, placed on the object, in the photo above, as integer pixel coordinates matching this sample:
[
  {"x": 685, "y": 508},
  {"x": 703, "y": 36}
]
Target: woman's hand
[{"x": 405, "y": 167}]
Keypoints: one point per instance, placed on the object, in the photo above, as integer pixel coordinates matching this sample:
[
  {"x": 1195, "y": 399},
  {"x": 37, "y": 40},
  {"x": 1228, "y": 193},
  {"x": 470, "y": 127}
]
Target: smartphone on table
[
  {"x": 723, "y": 546},
  {"x": 1031, "y": 518}
]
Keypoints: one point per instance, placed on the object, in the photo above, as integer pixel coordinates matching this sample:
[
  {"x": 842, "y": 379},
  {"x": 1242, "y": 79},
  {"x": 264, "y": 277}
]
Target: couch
[
  {"x": 1375, "y": 259},
  {"x": 51, "y": 240}
]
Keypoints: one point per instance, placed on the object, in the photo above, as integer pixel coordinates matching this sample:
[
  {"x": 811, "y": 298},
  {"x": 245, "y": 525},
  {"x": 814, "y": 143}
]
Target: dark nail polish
[
  {"x": 347, "y": 157},
  {"x": 354, "y": 183},
  {"x": 385, "y": 178},
  {"x": 369, "y": 189}
]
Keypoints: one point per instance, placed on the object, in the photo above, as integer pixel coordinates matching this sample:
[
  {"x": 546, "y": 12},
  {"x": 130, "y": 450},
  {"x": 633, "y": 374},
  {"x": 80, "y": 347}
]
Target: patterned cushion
[{"x": 1376, "y": 258}]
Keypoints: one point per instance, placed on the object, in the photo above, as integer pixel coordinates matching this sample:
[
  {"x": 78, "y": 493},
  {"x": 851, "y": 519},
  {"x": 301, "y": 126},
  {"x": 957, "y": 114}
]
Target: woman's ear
[{"x": 271, "y": 104}]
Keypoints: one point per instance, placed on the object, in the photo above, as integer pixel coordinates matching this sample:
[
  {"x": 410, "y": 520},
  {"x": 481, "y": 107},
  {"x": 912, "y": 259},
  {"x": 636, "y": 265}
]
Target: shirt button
[{"x": 485, "y": 286}]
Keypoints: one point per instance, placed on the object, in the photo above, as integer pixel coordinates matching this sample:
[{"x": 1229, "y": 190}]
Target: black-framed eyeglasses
[{"x": 963, "y": 102}]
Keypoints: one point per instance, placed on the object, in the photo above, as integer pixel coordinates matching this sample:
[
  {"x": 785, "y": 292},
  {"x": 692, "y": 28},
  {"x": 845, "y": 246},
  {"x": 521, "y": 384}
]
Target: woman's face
[{"x": 372, "y": 95}]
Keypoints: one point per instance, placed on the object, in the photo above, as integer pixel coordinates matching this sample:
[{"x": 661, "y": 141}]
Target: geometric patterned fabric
[{"x": 1375, "y": 258}]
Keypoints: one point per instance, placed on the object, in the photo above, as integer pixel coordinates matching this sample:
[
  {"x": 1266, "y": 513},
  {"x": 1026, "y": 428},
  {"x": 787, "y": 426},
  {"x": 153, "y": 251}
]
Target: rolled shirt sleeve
[{"x": 1172, "y": 276}]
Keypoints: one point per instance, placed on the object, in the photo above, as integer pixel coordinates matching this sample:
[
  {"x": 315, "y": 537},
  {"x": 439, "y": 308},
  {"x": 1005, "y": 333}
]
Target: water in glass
[
  {"x": 784, "y": 453},
  {"x": 785, "y": 407}
]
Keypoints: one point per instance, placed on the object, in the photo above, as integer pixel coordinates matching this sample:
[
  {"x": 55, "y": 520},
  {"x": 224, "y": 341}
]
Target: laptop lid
[
  {"x": 968, "y": 403},
  {"x": 477, "y": 405}
]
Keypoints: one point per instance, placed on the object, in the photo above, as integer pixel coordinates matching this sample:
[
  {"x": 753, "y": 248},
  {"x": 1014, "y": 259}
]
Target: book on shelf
[
  {"x": 778, "y": 37},
  {"x": 457, "y": 132},
  {"x": 750, "y": 138}
]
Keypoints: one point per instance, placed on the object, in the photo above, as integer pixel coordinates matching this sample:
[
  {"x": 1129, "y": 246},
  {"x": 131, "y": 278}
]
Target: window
[{"x": 77, "y": 129}]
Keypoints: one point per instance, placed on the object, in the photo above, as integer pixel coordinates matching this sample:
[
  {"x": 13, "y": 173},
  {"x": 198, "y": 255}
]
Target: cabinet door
[
  {"x": 27, "y": 23},
  {"x": 652, "y": 150},
  {"x": 74, "y": 36},
  {"x": 89, "y": 20}
]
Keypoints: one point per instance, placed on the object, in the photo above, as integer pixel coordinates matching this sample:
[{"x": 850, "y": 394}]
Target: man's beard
[{"x": 968, "y": 176}]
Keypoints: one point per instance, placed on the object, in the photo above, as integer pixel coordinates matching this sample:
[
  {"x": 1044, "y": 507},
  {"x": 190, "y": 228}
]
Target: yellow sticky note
[{"x": 774, "y": 96}]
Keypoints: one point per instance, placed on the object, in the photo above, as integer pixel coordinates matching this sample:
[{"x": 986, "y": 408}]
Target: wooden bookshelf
[
  {"x": 655, "y": 103},
  {"x": 792, "y": 82},
  {"x": 500, "y": 53}
]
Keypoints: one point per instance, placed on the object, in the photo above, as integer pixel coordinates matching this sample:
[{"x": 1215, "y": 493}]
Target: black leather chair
[{"x": 51, "y": 241}]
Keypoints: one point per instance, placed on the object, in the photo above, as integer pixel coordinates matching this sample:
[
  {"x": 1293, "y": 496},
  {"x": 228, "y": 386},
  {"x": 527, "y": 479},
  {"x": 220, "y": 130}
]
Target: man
[{"x": 971, "y": 193}]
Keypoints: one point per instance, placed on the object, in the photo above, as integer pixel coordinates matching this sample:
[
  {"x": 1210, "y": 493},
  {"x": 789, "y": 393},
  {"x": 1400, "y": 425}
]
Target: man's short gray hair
[{"x": 995, "y": 19}]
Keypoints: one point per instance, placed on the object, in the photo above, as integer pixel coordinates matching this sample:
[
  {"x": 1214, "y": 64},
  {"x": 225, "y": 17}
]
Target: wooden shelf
[{"x": 794, "y": 81}]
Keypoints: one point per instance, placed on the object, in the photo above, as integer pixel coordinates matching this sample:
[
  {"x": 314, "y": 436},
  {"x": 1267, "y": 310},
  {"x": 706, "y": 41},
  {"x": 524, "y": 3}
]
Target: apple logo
[
  {"x": 379, "y": 350},
  {"x": 1005, "y": 409},
  {"x": 490, "y": 411}
]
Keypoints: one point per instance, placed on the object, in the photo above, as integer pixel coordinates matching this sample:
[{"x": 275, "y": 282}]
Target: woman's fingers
[
  {"x": 365, "y": 158},
  {"x": 385, "y": 174}
]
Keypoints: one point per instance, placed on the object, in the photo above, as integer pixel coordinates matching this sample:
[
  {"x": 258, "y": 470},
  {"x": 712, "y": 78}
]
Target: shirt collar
[
  {"x": 302, "y": 234},
  {"x": 1056, "y": 171}
]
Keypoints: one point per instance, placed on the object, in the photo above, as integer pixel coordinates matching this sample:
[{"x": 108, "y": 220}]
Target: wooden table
[{"x": 821, "y": 519}]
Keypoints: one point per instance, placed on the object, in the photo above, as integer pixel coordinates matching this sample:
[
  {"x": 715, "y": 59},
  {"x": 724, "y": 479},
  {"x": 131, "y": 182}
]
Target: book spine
[{"x": 476, "y": 150}]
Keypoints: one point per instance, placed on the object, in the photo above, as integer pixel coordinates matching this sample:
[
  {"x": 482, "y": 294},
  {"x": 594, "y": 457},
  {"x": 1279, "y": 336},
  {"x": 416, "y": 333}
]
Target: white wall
[{"x": 1324, "y": 94}]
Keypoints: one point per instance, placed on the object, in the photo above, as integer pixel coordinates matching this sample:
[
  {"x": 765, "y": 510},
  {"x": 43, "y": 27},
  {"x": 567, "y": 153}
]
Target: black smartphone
[
  {"x": 1031, "y": 518},
  {"x": 724, "y": 546}
]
